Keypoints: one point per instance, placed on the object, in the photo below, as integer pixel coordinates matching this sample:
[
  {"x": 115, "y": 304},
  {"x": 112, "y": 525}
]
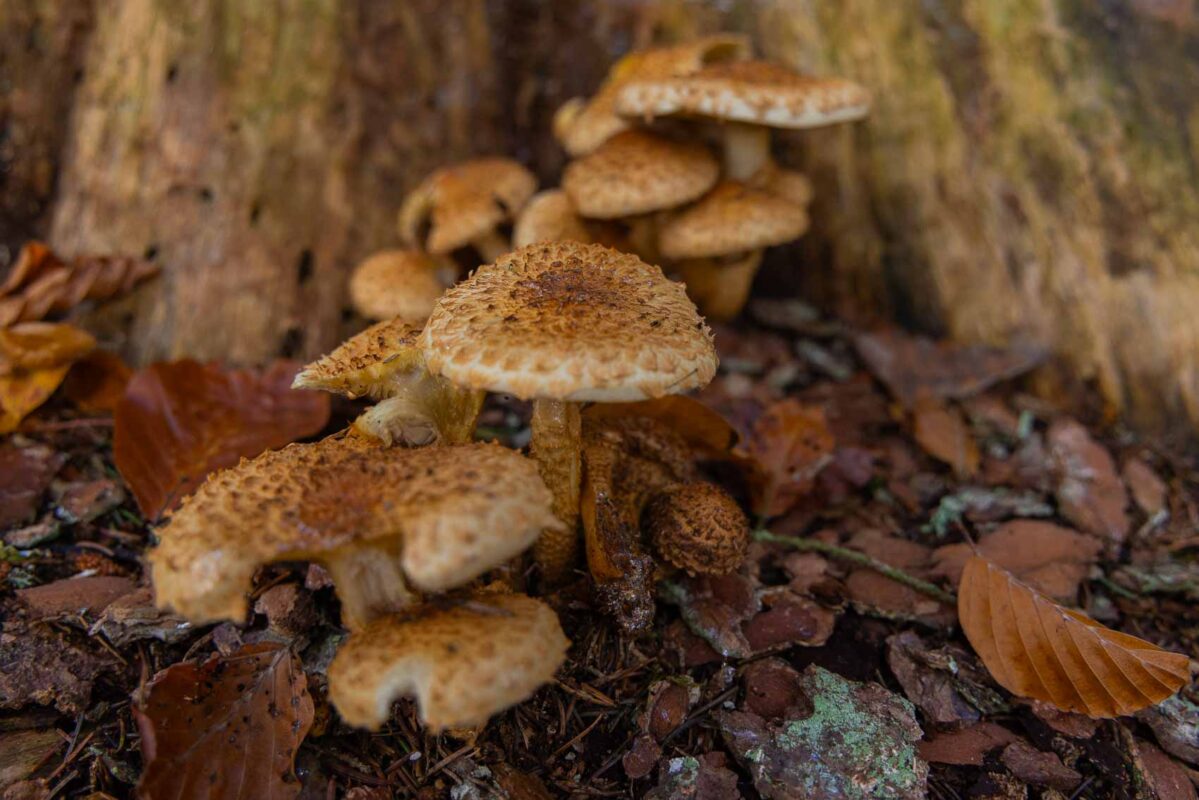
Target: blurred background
[{"x": 1029, "y": 172}]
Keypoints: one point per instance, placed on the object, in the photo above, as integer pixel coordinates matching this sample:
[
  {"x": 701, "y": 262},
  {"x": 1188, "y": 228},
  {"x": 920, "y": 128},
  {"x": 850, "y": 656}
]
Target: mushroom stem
[
  {"x": 369, "y": 583},
  {"x": 746, "y": 149},
  {"x": 643, "y": 236},
  {"x": 490, "y": 246},
  {"x": 719, "y": 287},
  {"x": 556, "y": 445}
]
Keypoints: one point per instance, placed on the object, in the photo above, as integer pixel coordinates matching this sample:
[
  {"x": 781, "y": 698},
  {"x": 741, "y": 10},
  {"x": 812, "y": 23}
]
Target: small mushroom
[
  {"x": 562, "y": 323},
  {"x": 718, "y": 243},
  {"x": 385, "y": 363},
  {"x": 400, "y": 283},
  {"x": 464, "y": 205},
  {"x": 636, "y": 173},
  {"x": 380, "y": 519},
  {"x": 463, "y": 663},
  {"x": 750, "y": 97},
  {"x": 698, "y": 527},
  {"x": 549, "y": 217},
  {"x": 583, "y": 125}
]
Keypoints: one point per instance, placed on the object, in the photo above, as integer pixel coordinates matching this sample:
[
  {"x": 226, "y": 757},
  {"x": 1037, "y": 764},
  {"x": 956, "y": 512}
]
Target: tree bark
[{"x": 1029, "y": 169}]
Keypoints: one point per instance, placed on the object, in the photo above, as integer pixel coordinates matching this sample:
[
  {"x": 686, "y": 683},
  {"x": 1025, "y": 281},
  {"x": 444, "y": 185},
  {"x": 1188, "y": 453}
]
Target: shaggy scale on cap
[
  {"x": 570, "y": 321},
  {"x": 698, "y": 527},
  {"x": 549, "y": 217},
  {"x": 463, "y": 663},
  {"x": 637, "y": 172},
  {"x": 399, "y": 283},
  {"x": 450, "y": 512},
  {"x": 732, "y": 218},
  {"x": 464, "y": 203},
  {"x": 365, "y": 364}
]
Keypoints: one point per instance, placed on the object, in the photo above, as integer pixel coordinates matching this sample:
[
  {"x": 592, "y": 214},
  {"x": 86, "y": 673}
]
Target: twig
[{"x": 859, "y": 559}]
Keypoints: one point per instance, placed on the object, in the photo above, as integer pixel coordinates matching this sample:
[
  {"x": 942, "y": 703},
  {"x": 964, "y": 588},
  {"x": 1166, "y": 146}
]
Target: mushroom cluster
[{"x": 574, "y": 311}]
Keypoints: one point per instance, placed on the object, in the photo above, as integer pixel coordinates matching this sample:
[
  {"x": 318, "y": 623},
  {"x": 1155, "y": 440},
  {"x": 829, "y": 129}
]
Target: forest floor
[{"x": 801, "y": 675}]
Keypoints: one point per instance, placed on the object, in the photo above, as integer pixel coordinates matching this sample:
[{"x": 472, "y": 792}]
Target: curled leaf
[
  {"x": 21, "y": 392},
  {"x": 38, "y": 345},
  {"x": 789, "y": 446},
  {"x": 1035, "y": 648},
  {"x": 178, "y": 421}
]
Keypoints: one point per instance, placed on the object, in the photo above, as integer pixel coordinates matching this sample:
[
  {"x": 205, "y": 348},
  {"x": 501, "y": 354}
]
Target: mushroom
[
  {"x": 400, "y": 283},
  {"x": 750, "y": 97},
  {"x": 463, "y": 663},
  {"x": 583, "y": 125},
  {"x": 384, "y": 362},
  {"x": 562, "y": 323},
  {"x": 549, "y": 217},
  {"x": 465, "y": 204},
  {"x": 733, "y": 222},
  {"x": 636, "y": 173},
  {"x": 380, "y": 519},
  {"x": 698, "y": 527}
]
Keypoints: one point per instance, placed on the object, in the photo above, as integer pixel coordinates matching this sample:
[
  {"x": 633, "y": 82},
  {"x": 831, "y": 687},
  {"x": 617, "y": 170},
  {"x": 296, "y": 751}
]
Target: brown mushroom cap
[
  {"x": 366, "y": 364},
  {"x": 570, "y": 321},
  {"x": 754, "y": 92},
  {"x": 452, "y": 512},
  {"x": 583, "y": 125},
  {"x": 463, "y": 663},
  {"x": 465, "y": 202},
  {"x": 698, "y": 527},
  {"x": 785, "y": 183},
  {"x": 549, "y": 217},
  {"x": 399, "y": 283},
  {"x": 636, "y": 172},
  {"x": 732, "y": 218}
]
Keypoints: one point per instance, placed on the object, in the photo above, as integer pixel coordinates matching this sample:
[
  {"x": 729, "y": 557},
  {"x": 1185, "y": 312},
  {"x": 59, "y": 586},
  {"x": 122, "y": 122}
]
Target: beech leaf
[
  {"x": 181, "y": 420},
  {"x": 702, "y": 427},
  {"x": 97, "y": 382},
  {"x": 789, "y": 445},
  {"x": 228, "y": 728},
  {"x": 1035, "y": 648},
  {"x": 22, "y": 391},
  {"x": 38, "y": 345}
]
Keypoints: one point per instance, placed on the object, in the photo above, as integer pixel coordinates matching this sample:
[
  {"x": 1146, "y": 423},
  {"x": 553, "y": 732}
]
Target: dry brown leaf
[
  {"x": 1148, "y": 490},
  {"x": 21, "y": 392},
  {"x": 97, "y": 382},
  {"x": 704, "y": 429},
  {"x": 229, "y": 727},
  {"x": 944, "y": 435},
  {"x": 789, "y": 445},
  {"x": 1035, "y": 648},
  {"x": 1089, "y": 490},
  {"x": 181, "y": 420},
  {"x": 39, "y": 345}
]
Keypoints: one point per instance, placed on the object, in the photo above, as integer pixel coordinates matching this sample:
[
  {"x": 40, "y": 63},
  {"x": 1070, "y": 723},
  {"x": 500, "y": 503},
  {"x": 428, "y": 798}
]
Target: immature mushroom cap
[
  {"x": 570, "y": 321},
  {"x": 465, "y": 202},
  {"x": 583, "y": 125},
  {"x": 399, "y": 283},
  {"x": 786, "y": 183},
  {"x": 755, "y": 92},
  {"x": 549, "y": 217},
  {"x": 698, "y": 527},
  {"x": 636, "y": 172},
  {"x": 463, "y": 663},
  {"x": 732, "y": 218},
  {"x": 450, "y": 512},
  {"x": 367, "y": 363}
]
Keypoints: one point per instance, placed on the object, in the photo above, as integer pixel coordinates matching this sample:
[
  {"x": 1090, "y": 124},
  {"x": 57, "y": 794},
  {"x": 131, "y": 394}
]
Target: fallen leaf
[
  {"x": 858, "y": 742},
  {"x": 1038, "y": 768},
  {"x": 1049, "y": 558},
  {"x": 947, "y": 684},
  {"x": 288, "y": 609},
  {"x": 873, "y": 592},
  {"x": 789, "y": 445},
  {"x": 641, "y": 758},
  {"x": 518, "y": 785},
  {"x": 1175, "y": 724},
  {"x": 86, "y": 501},
  {"x": 21, "y": 752},
  {"x": 772, "y": 689},
  {"x": 1036, "y": 648},
  {"x": 666, "y": 708},
  {"x": 74, "y": 595},
  {"x": 789, "y": 619},
  {"x": 39, "y": 345},
  {"x": 1089, "y": 490},
  {"x": 229, "y": 727},
  {"x": 25, "y": 474},
  {"x": 181, "y": 420},
  {"x": 967, "y": 747},
  {"x": 689, "y": 778},
  {"x": 1076, "y": 726},
  {"x": 912, "y": 367},
  {"x": 21, "y": 392},
  {"x": 702, "y": 428},
  {"x": 37, "y": 789},
  {"x": 97, "y": 382},
  {"x": 1167, "y": 780},
  {"x": 33, "y": 261},
  {"x": 986, "y": 504},
  {"x": 943, "y": 434},
  {"x": 1148, "y": 490},
  {"x": 135, "y": 617}
]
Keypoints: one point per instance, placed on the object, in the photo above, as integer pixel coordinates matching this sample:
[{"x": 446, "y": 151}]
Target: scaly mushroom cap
[
  {"x": 698, "y": 527},
  {"x": 463, "y": 663},
  {"x": 754, "y": 92},
  {"x": 366, "y": 363},
  {"x": 583, "y": 125},
  {"x": 399, "y": 283},
  {"x": 636, "y": 172},
  {"x": 454, "y": 512},
  {"x": 464, "y": 202},
  {"x": 570, "y": 321},
  {"x": 549, "y": 217},
  {"x": 732, "y": 218},
  {"x": 785, "y": 183}
]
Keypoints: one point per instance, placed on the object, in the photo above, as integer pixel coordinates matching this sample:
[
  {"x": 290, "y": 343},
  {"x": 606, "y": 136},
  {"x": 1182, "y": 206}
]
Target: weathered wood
[{"x": 1030, "y": 168}]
